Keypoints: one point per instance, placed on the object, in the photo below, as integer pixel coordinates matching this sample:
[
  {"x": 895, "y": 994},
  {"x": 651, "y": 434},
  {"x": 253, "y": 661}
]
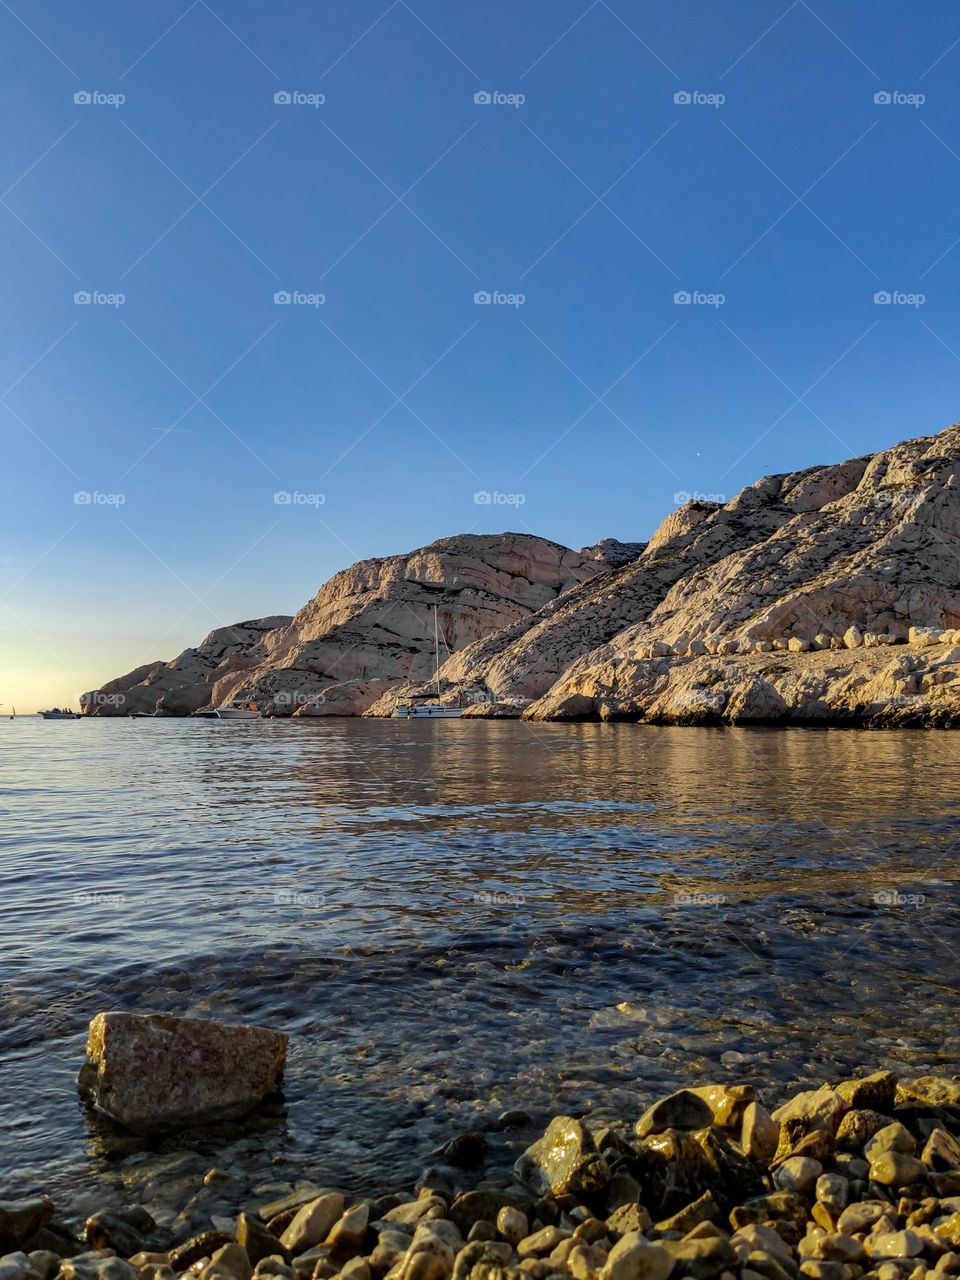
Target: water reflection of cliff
[{"x": 407, "y": 823}]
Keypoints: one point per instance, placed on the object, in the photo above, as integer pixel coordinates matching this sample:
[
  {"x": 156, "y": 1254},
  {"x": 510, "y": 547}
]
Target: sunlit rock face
[{"x": 831, "y": 593}]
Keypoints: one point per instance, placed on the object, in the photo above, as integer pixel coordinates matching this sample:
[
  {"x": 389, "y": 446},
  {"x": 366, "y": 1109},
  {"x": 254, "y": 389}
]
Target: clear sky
[{"x": 620, "y": 153}]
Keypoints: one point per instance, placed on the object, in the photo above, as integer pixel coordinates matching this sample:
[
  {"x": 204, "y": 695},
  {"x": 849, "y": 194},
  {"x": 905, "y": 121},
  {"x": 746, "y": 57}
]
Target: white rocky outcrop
[{"x": 791, "y": 596}]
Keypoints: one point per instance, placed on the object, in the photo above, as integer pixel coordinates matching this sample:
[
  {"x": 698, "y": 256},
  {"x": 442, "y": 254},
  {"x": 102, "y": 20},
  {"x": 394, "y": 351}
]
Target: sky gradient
[{"x": 586, "y": 166}]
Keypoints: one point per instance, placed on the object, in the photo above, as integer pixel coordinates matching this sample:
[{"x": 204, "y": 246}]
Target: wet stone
[
  {"x": 876, "y": 1092},
  {"x": 466, "y": 1150},
  {"x": 894, "y": 1244},
  {"x": 565, "y": 1161},
  {"x": 680, "y": 1110},
  {"x": 204, "y": 1245},
  {"x": 896, "y": 1169}
]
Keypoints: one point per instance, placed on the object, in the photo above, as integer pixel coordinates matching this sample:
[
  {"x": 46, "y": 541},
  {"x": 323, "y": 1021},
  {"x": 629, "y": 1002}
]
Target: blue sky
[{"x": 583, "y": 196}]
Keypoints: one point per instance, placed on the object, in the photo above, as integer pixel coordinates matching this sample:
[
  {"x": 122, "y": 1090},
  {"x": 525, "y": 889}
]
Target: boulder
[{"x": 156, "y": 1071}]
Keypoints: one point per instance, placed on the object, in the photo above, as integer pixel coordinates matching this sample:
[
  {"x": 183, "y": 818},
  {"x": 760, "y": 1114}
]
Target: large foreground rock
[{"x": 155, "y": 1071}]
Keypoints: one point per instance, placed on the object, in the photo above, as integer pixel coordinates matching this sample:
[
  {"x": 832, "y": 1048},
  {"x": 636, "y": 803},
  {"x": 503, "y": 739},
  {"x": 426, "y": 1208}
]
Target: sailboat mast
[{"x": 436, "y": 647}]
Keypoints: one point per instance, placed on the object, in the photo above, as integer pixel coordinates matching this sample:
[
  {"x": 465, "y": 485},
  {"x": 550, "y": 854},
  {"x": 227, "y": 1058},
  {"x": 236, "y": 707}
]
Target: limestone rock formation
[
  {"x": 730, "y": 611},
  {"x": 183, "y": 685},
  {"x": 367, "y": 629},
  {"x": 831, "y": 593}
]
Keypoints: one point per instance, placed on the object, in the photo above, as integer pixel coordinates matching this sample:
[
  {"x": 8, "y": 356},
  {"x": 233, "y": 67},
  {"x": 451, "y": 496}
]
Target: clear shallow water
[{"x": 455, "y": 919}]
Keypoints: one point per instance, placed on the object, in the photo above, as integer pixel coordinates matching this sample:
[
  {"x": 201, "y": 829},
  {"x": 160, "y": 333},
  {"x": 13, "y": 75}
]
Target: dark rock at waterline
[
  {"x": 159, "y": 1072},
  {"x": 465, "y": 1151},
  {"x": 677, "y": 1167},
  {"x": 484, "y": 1205},
  {"x": 680, "y": 1110},
  {"x": 204, "y": 1245},
  {"x": 114, "y": 1230},
  {"x": 514, "y": 1119},
  {"x": 19, "y": 1219},
  {"x": 53, "y": 1237},
  {"x": 875, "y": 1092}
]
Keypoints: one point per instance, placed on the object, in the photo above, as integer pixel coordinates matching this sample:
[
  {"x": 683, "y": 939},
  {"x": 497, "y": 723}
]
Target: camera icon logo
[
  {"x": 82, "y": 298},
  {"x": 682, "y": 297},
  {"x": 483, "y": 98},
  {"x": 883, "y": 98},
  {"x": 282, "y": 298},
  {"x": 882, "y": 298},
  {"x": 483, "y": 498},
  {"x": 82, "y": 98},
  {"x": 682, "y": 98},
  {"x": 482, "y": 298},
  {"x": 282, "y": 98},
  {"x": 283, "y": 497}
]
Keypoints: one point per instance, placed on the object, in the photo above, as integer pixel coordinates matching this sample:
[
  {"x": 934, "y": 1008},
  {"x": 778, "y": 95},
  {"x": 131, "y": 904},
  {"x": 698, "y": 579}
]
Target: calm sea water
[{"x": 454, "y": 919}]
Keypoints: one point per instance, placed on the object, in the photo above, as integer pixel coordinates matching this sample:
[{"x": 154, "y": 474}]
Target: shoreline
[{"x": 857, "y": 1179}]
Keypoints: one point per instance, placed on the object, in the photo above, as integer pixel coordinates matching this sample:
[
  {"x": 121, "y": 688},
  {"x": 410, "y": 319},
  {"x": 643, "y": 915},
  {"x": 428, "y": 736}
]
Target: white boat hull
[
  {"x": 427, "y": 711},
  {"x": 59, "y": 715},
  {"x": 237, "y": 713}
]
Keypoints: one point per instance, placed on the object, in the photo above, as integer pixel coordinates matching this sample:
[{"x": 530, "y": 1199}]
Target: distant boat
[
  {"x": 144, "y": 715},
  {"x": 416, "y": 710},
  {"x": 59, "y": 713},
  {"x": 238, "y": 710},
  {"x": 425, "y": 711}
]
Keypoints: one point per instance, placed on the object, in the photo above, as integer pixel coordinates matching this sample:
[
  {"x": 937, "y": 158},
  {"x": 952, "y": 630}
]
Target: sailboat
[{"x": 429, "y": 710}]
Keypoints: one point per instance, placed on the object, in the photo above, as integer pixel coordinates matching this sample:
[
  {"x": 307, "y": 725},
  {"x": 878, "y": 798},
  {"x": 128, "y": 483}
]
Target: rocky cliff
[
  {"x": 367, "y": 629},
  {"x": 731, "y": 610},
  {"x": 828, "y": 594}
]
